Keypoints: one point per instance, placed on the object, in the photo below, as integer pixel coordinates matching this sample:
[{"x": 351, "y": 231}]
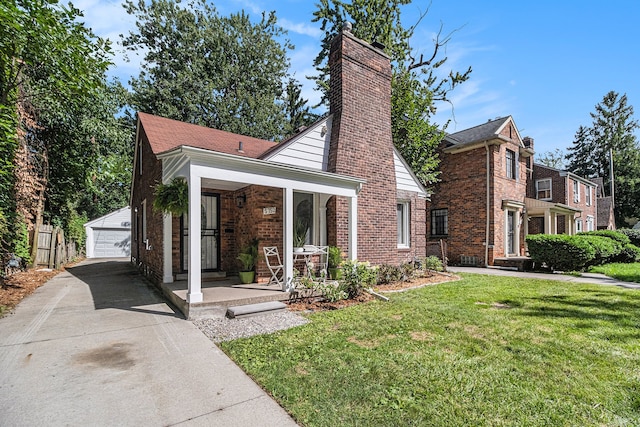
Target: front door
[
  {"x": 511, "y": 233},
  {"x": 209, "y": 234}
]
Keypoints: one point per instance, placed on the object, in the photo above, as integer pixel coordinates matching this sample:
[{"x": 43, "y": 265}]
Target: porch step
[
  {"x": 255, "y": 309},
  {"x": 206, "y": 276}
]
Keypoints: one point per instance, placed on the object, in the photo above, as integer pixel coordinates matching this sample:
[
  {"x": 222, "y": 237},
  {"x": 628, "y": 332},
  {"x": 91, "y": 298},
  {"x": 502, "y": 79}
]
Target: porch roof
[
  {"x": 539, "y": 207},
  {"x": 231, "y": 172}
]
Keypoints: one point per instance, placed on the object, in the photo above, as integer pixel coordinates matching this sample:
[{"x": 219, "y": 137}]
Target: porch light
[{"x": 241, "y": 199}]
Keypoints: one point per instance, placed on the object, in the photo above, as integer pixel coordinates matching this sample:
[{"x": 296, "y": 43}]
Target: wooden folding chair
[{"x": 272, "y": 256}]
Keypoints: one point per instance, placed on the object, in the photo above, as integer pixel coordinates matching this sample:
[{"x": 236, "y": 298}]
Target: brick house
[
  {"x": 560, "y": 202},
  {"x": 478, "y": 206},
  {"x": 341, "y": 174}
]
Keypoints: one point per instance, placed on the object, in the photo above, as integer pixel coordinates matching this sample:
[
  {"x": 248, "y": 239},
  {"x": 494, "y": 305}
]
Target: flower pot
[
  {"x": 335, "y": 273},
  {"x": 246, "y": 276},
  {"x": 298, "y": 249}
]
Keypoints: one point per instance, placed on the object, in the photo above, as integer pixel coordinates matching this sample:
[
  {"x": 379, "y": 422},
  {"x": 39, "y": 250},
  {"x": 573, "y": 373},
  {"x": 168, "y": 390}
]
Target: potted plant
[
  {"x": 248, "y": 258},
  {"x": 172, "y": 198},
  {"x": 334, "y": 261},
  {"x": 300, "y": 235}
]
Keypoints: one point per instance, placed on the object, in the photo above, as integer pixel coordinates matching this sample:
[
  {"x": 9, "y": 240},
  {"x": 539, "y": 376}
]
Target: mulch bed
[
  {"x": 16, "y": 287},
  {"x": 312, "y": 304}
]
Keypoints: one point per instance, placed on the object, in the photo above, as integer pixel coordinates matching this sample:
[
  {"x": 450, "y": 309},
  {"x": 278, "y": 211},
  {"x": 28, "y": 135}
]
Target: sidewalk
[
  {"x": 97, "y": 346},
  {"x": 600, "y": 279}
]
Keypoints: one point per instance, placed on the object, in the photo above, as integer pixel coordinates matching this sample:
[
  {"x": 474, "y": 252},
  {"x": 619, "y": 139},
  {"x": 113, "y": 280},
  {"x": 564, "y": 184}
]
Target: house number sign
[{"x": 269, "y": 211}]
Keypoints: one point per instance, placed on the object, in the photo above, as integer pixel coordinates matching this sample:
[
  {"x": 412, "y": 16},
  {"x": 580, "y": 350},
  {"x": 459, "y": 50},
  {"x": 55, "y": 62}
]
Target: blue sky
[{"x": 546, "y": 63}]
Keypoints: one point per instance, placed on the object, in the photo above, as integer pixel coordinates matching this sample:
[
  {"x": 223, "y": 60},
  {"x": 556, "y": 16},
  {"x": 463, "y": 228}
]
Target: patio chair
[
  {"x": 323, "y": 261},
  {"x": 272, "y": 256}
]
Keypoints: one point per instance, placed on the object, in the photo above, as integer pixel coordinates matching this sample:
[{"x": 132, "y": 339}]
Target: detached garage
[{"x": 110, "y": 236}]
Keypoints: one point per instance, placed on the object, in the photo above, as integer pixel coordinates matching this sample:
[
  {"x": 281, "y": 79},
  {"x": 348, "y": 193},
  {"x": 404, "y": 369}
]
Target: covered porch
[
  {"x": 549, "y": 212},
  {"x": 205, "y": 169}
]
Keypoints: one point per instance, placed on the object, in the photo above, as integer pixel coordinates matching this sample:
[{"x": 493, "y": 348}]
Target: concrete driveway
[{"x": 97, "y": 346}]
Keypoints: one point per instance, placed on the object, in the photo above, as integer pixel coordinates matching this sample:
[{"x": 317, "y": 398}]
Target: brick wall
[
  {"x": 362, "y": 146},
  {"x": 148, "y": 261}
]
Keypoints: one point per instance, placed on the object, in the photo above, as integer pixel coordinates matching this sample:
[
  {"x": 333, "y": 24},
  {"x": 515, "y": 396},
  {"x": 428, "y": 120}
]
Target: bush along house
[
  {"x": 492, "y": 195},
  {"x": 341, "y": 179}
]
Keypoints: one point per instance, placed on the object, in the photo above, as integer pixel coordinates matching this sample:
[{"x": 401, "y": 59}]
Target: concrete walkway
[
  {"x": 600, "y": 279},
  {"x": 97, "y": 346}
]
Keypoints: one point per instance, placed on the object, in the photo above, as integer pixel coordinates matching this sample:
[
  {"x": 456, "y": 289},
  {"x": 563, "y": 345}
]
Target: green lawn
[
  {"x": 620, "y": 271},
  {"x": 486, "y": 350}
]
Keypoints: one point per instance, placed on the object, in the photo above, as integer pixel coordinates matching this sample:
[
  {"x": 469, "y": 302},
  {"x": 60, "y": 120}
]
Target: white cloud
[{"x": 300, "y": 28}]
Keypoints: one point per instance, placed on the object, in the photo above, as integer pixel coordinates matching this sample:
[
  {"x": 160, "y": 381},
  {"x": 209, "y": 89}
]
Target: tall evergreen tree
[
  {"x": 199, "y": 67},
  {"x": 612, "y": 132},
  {"x": 297, "y": 110}
]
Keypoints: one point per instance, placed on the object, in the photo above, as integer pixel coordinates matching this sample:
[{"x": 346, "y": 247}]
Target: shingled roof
[
  {"x": 480, "y": 133},
  {"x": 166, "y": 134}
]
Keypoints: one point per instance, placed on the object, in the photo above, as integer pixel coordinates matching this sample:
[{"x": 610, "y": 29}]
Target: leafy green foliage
[
  {"x": 388, "y": 274},
  {"x": 248, "y": 256},
  {"x": 632, "y": 234},
  {"x": 612, "y": 132},
  {"x": 334, "y": 257},
  {"x": 417, "y": 82},
  {"x": 553, "y": 159},
  {"x": 75, "y": 230},
  {"x": 629, "y": 254},
  {"x": 22, "y": 248},
  {"x": 432, "y": 262},
  {"x": 199, "y": 67},
  {"x": 605, "y": 248},
  {"x": 560, "y": 251},
  {"x": 357, "y": 276},
  {"x": 622, "y": 238},
  {"x": 172, "y": 198}
]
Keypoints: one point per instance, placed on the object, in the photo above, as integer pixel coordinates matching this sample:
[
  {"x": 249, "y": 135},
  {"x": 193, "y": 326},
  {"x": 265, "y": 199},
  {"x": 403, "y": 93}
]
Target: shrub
[
  {"x": 605, "y": 248},
  {"x": 334, "y": 257},
  {"x": 560, "y": 251},
  {"x": 629, "y": 253},
  {"x": 611, "y": 234},
  {"x": 432, "y": 263},
  {"x": 388, "y": 274},
  {"x": 632, "y": 234},
  {"x": 357, "y": 276},
  {"x": 332, "y": 293}
]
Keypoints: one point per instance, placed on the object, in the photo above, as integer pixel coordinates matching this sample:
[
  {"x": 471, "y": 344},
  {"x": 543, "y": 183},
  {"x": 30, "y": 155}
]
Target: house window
[
  {"x": 590, "y": 222},
  {"x": 543, "y": 189},
  {"x": 303, "y": 214},
  {"x": 511, "y": 164},
  {"x": 587, "y": 195},
  {"x": 439, "y": 222},
  {"x": 576, "y": 192},
  {"x": 578, "y": 225},
  {"x": 403, "y": 224}
]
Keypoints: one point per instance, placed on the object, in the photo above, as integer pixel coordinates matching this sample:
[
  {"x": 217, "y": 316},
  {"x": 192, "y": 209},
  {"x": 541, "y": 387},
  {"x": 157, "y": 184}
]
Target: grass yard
[
  {"x": 620, "y": 271},
  {"x": 485, "y": 350}
]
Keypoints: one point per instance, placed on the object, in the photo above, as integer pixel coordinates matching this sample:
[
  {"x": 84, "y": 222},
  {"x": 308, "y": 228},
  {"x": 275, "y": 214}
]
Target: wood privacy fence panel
[{"x": 53, "y": 250}]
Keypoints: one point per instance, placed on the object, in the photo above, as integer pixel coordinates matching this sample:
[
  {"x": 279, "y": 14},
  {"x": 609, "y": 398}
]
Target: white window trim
[
  {"x": 576, "y": 192},
  {"x": 590, "y": 223},
  {"x": 550, "y": 188},
  {"x": 405, "y": 239},
  {"x": 588, "y": 195},
  {"x": 516, "y": 233},
  {"x": 578, "y": 225}
]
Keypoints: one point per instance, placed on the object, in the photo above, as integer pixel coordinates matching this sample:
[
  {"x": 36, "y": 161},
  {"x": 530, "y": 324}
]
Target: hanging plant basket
[{"x": 172, "y": 198}]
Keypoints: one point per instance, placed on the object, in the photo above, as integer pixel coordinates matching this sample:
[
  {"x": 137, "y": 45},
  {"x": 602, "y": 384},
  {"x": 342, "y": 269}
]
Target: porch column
[
  {"x": 554, "y": 223},
  {"x": 547, "y": 221},
  {"x": 568, "y": 219},
  {"x": 287, "y": 243},
  {"x": 194, "y": 292},
  {"x": 167, "y": 255},
  {"x": 353, "y": 228}
]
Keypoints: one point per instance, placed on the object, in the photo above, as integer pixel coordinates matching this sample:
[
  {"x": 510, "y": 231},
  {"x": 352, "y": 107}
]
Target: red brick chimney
[{"x": 362, "y": 145}]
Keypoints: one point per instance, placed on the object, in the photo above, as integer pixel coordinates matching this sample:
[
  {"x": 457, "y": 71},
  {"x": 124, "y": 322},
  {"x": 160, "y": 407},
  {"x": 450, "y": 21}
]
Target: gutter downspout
[{"x": 486, "y": 235}]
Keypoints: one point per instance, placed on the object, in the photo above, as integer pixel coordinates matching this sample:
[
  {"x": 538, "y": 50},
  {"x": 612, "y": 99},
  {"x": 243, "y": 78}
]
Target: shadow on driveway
[{"x": 115, "y": 283}]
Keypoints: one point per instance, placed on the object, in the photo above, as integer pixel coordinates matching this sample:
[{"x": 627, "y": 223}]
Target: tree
[
  {"x": 612, "y": 132},
  {"x": 199, "y": 67},
  {"x": 297, "y": 111},
  {"x": 51, "y": 65},
  {"x": 553, "y": 159},
  {"x": 416, "y": 81}
]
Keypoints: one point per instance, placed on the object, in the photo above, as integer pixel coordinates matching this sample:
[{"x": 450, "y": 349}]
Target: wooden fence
[{"x": 53, "y": 250}]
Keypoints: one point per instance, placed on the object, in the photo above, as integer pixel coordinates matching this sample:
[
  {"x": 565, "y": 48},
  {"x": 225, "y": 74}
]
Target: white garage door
[{"x": 109, "y": 243}]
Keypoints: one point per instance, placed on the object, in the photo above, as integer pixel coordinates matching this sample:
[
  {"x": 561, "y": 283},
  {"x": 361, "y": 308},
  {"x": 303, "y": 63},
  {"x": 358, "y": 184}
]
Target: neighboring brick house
[
  {"x": 560, "y": 202},
  {"x": 342, "y": 175},
  {"x": 478, "y": 206}
]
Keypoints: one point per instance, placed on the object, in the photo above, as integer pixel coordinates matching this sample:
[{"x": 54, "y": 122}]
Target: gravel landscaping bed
[{"x": 224, "y": 329}]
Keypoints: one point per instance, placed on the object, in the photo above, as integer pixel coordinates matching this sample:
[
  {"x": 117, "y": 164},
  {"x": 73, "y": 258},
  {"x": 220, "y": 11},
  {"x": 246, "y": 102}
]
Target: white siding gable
[
  {"x": 117, "y": 219},
  {"x": 405, "y": 179},
  {"x": 309, "y": 149}
]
